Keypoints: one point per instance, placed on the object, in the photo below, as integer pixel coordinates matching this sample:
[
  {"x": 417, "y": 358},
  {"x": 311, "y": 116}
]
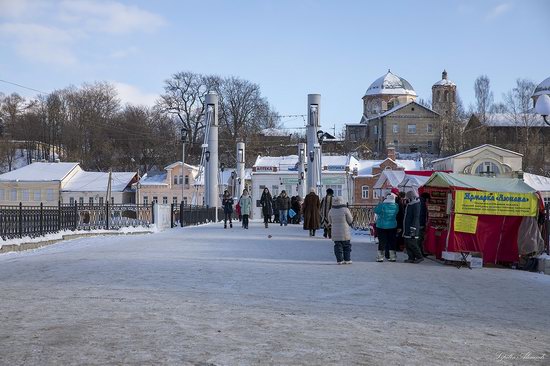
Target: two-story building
[{"x": 171, "y": 185}]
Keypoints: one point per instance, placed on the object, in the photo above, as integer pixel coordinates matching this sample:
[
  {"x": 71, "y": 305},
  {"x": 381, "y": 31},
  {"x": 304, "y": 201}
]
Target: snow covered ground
[{"x": 204, "y": 295}]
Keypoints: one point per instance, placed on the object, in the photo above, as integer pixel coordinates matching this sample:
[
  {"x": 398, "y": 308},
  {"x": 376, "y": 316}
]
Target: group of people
[
  {"x": 330, "y": 213},
  {"x": 401, "y": 218}
]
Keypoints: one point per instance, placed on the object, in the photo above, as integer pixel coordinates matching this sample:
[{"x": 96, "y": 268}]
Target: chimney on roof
[{"x": 390, "y": 152}]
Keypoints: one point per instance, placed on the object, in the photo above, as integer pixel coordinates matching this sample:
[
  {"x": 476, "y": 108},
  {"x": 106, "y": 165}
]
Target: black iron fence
[
  {"x": 33, "y": 221},
  {"x": 363, "y": 216},
  {"x": 185, "y": 215}
]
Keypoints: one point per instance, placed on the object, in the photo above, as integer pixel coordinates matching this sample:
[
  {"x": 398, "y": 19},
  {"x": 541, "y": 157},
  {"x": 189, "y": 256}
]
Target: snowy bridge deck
[{"x": 205, "y": 295}]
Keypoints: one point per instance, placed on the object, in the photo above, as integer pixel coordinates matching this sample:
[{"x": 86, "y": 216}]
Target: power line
[{"x": 23, "y": 86}]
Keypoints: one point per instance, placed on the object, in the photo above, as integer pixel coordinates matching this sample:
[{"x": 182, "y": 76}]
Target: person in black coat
[
  {"x": 411, "y": 228},
  {"x": 266, "y": 201},
  {"x": 275, "y": 209},
  {"x": 227, "y": 203}
]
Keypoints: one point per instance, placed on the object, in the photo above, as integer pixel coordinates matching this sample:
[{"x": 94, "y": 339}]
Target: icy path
[{"x": 205, "y": 295}]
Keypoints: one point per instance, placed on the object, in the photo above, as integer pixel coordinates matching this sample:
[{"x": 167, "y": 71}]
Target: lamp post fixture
[
  {"x": 542, "y": 107},
  {"x": 184, "y": 132},
  {"x": 207, "y": 156}
]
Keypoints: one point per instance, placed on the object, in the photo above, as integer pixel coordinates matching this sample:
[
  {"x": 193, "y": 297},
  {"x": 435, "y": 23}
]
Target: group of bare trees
[
  {"x": 243, "y": 112},
  {"x": 89, "y": 124}
]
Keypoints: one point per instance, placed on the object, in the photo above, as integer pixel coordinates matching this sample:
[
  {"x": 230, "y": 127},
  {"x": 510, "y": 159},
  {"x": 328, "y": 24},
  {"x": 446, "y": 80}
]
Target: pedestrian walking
[
  {"x": 326, "y": 205},
  {"x": 267, "y": 206},
  {"x": 227, "y": 203},
  {"x": 311, "y": 210},
  {"x": 275, "y": 210},
  {"x": 296, "y": 206},
  {"x": 424, "y": 200},
  {"x": 340, "y": 219},
  {"x": 402, "y": 203},
  {"x": 411, "y": 228},
  {"x": 245, "y": 202},
  {"x": 386, "y": 227},
  {"x": 283, "y": 204}
]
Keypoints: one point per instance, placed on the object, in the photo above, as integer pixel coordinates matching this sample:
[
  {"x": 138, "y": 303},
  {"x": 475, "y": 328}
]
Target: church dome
[
  {"x": 542, "y": 88},
  {"x": 390, "y": 84}
]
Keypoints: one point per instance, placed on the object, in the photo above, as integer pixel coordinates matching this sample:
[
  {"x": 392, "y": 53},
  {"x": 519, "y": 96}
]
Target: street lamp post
[
  {"x": 183, "y": 139},
  {"x": 222, "y": 168}
]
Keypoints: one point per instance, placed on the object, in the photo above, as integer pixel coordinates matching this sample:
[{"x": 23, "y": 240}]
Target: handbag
[{"x": 291, "y": 213}]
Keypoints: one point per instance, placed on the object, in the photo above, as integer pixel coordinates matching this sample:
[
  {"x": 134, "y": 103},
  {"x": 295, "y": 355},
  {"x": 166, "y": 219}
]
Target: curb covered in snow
[{"x": 26, "y": 243}]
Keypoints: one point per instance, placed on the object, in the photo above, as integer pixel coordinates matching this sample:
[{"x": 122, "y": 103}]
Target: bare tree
[{"x": 484, "y": 97}]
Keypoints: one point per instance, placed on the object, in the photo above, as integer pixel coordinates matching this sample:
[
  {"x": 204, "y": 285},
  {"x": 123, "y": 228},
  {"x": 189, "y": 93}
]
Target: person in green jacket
[
  {"x": 245, "y": 202},
  {"x": 386, "y": 227}
]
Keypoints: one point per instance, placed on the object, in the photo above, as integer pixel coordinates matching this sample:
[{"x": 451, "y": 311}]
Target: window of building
[
  {"x": 364, "y": 192},
  {"x": 395, "y": 128},
  {"x": 165, "y": 200},
  {"x": 181, "y": 179},
  {"x": 49, "y": 195},
  {"x": 175, "y": 179},
  {"x": 175, "y": 200},
  {"x": 37, "y": 195},
  {"x": 411, "y": 128},
  {"x": 145, "y": 200},
  {"x": 185, "y": 201},
  {"x": 337, "y": 188},
  {"x": 488, "y": 168},
  {"x": 274, "y": 190},
  {"x": 430, "y": 128},
  {"x": 288, "y": 189},
  {"x": 13, "y": 196},
  {"x": 91, "y": 201},
  {"x": 396, "y": 142},
  {"x": 375, "y": 130},
  {"x": 446, "y": 96},
  {"x": 112, "y": 200},
  {"x": 375, "y": 194},
  {"x": 101, "y": 201},
  {"x": 186, "y": 180},
  {"x": 430, "y": 145},
  {"x": 24, "y": 195},
  {"x": 71, "y": 200},
  {"x": 155, "y": 199},
  {"x": 546, "y": 201},
  {"x": 81, "y": 201}
]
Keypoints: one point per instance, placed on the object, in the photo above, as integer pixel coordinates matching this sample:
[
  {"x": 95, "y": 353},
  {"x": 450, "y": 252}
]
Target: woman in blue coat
[{"x": 386, "y": 227}]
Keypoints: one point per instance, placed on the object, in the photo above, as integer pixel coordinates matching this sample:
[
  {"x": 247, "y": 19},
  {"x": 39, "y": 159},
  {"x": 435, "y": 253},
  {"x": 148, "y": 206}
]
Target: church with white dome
[{"x": 392, "y": 117}]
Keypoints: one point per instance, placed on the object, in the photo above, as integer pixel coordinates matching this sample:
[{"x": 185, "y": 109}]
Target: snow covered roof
[
  {"x": 154, "y": 179},
  {"x": 390, "y": 84},
  {"x": 178, "y": 163},
  {"x": 275, "y": 132},
  {"x": 543, "y": 88},
  {"x": 474, "y": 149},
  {"x": 98, "y": 181},
  {"x": 393, "y": 177},
  {"x": 507, "y": 120},
  {"x": 489, "y": 184},
  {"x": 40, "y": 172},
  {"x": 411, "y": 164},
  {"x": 339, "y": 160},
  {"x": 282, "y": 163},
  {"x": 364, "y": 167},
  {"x": 413, "y": 181},
  {"x": 538, "y": 182},
  {"x": 445, "y": 82}
]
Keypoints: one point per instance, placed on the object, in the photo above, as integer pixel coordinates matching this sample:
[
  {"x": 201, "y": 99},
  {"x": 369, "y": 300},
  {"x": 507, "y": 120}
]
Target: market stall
[{"x": 494, "y": 216}]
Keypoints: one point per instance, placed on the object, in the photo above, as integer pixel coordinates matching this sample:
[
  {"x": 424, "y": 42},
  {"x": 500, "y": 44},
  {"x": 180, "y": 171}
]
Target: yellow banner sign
[
  {"x": 465, "y": 223},
  {"x": 496, "y": 203}
]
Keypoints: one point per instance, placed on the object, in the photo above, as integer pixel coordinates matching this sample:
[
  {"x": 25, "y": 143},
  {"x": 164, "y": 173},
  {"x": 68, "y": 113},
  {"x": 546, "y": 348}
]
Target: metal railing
[
  {"x": 186, "y": 215},
  {"x": 19, "y": 221},
  {"x": 363, "y": 216}
]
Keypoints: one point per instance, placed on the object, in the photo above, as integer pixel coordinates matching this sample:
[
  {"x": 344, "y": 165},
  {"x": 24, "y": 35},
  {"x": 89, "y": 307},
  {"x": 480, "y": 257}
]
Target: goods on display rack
[{"x": 437, "y": 208}]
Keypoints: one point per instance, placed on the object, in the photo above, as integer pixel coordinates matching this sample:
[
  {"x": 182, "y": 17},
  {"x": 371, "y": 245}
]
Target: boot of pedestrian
[
  {"x": 393, "y": 257},
  {"x": 225, "y": 226},
  {"x": 380, "y": 256},
  {"x": 230, "y": 225},
  {"x": 266, "y": 225}
]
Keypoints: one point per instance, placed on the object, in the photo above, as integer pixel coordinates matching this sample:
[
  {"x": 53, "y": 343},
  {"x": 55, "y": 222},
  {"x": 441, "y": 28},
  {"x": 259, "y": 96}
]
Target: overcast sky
[{"x": 289, "y": 47}]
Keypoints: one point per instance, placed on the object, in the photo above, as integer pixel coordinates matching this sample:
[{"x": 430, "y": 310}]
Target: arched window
[
  {"x": 437, "y": 96},
  {"x": 446, "y": 96},
  {"x": 488, "y": 168}
]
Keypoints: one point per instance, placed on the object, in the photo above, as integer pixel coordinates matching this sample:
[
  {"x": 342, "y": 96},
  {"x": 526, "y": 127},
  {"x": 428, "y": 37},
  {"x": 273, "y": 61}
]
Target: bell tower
[{"x": 444, "y": 96}]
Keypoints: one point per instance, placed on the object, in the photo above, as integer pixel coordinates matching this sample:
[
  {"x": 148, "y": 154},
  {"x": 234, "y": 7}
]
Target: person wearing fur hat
[
  {"x": 411, "y": 228},
  {"x": 326, "y": 205},
  {"x": 340, "y": 219},
  {"x": 386, "y": 227},
  {"x": 311, "y": 212}
]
